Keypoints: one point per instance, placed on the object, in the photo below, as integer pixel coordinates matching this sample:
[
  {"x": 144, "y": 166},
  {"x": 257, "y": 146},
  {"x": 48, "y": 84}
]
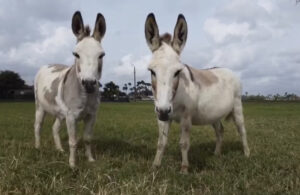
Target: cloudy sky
[{"x": 258, "y": 39}]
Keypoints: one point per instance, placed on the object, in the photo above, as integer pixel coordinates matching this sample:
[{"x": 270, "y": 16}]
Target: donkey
[
  {"x": 72, "y": 93},
  {"x": 187, "y": 95}
]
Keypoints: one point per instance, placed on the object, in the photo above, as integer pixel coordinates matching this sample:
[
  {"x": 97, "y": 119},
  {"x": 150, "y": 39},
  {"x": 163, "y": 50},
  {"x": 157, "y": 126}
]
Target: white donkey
[
  {"x": 72, "y": 93},
  {"x": 187, "y": 95}
]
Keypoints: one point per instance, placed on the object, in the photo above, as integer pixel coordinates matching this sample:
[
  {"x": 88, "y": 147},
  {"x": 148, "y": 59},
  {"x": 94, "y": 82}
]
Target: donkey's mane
[
  {"x": 167, "y": 38},
  {"x": 86, "y": 33}
]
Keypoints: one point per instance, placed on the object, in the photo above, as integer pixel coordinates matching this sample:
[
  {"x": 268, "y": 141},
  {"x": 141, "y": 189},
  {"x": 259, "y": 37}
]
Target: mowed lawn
[{"x": 124, "y": 145}]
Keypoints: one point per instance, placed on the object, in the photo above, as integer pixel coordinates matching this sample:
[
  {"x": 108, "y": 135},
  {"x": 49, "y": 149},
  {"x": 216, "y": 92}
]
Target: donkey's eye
[
  {"x": 177, "y": 73},
  {"x": 101, "y": 55},
  {"x": 76, "y": 55},
  {"x": 152, "y": 73}
]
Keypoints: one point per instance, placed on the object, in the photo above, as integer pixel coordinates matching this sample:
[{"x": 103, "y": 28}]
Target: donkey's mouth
[
  {"x": 90, "y": 89},
  {"x": 89, "y": 85},
  {"x": 163, "y": 117}
]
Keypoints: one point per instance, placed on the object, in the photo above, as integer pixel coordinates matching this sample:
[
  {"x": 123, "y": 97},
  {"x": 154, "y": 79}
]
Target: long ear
[
  {"x": 77, "y": 25},
  {"x": 180, "y": 34},
  {"x": 151, "y": 32},
  {"x": 100, "y": 27}
]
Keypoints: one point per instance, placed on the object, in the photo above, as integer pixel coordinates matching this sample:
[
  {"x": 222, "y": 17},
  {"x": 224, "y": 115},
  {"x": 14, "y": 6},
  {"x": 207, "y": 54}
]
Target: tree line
[{"x": 12, "y": 86}]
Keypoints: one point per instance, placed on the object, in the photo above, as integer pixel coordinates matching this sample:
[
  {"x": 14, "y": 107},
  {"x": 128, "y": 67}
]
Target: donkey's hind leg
[
  {"x": 239, "y": 122},
  {"x": 55, "y": 131},
  {"x": 39, "y": 118},
  {"x": 219, "y": 130}
]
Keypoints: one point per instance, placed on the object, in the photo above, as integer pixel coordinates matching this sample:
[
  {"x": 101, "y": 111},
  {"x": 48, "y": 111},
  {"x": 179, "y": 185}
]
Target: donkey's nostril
[
  {"x": 83, "y": 82},
  {"x": 169, "y": 110},
  {"x": 163, "y": 114},
  {"x": 156, "y": 109}
]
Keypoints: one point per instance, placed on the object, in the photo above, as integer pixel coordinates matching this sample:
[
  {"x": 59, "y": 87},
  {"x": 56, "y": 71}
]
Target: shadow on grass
[
  {"x": 198, "y": 154},
  {"x": 201, "y": 152},
  {"x": 116, "y": 147}
]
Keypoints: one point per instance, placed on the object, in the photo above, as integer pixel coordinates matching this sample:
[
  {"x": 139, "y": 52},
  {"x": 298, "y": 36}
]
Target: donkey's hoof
[
  {"x": 72, "y": 164},
  {"x": 91, "y": 159},
  {"x": 37, "y": 146},
  {"x": 60, "y": 150},
  {"x": 155, "y": 167},
  {"x": 247, "y": 152},
  {"x": 184, "y": 169}
]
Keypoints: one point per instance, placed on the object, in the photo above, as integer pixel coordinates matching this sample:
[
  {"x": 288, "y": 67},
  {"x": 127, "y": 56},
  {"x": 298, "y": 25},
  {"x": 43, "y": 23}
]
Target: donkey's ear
[
  {"x": 77, "y": 24},
  {"x": 100, "y": 27},
  {"x": 151, "y": 32},
  {"x": 180, "y": 34}
]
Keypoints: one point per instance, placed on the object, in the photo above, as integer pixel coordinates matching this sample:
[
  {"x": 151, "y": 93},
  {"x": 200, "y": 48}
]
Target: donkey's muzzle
[
  {"x": 163, "y": 114},
  {"x": 89, "y": 85}
]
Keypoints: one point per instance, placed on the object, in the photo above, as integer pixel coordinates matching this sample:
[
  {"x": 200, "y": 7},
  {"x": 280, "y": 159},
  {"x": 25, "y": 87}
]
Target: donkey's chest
[
  {"x": 87, "y": 108},
  {"x": 83, "y": 106}
]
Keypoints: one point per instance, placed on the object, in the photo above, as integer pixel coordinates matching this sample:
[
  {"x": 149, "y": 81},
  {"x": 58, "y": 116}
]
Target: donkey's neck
[{"x": 73, "y": 92}]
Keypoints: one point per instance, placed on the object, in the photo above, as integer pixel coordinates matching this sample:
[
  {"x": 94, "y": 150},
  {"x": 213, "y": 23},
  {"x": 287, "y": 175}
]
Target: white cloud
[
  {"x": 250, "y": 37},
  {"x": 220, "y": 31},
  {"x": 258, "y": 39},
  {"x": 124, "y": 71},
  {"x": 56, "y": 47}
]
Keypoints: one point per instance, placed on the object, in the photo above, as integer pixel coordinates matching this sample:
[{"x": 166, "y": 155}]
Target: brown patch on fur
[
  {"x": 167, "y": 38},
  {"x": 183, "y": 78},
  {"x": 86, "y": 33},
  {"x": 57, "y": 67},
  {"x": 202, "y": 77},
  {"x": 66, "y": 75},
  {"x": 175, "y": 86},
  {"x": 50, "y": 95}
]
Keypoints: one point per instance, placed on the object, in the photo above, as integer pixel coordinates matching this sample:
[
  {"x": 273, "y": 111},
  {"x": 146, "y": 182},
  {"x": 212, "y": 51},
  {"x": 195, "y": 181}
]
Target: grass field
[{"x": 124, "y": 145}]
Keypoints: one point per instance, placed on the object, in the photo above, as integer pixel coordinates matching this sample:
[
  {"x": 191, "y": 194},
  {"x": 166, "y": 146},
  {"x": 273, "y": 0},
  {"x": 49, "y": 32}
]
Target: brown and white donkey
[
  {"x": 72, "y": 93},
  {"x": 189, "y": 96}
]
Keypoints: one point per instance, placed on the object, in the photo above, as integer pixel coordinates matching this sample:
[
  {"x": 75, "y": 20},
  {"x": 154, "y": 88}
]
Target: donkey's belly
[{"x": 211, "y": 113}]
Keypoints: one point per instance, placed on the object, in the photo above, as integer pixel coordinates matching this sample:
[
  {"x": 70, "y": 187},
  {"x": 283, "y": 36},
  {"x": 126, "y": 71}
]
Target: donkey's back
[{"x": 48, "y": 88}]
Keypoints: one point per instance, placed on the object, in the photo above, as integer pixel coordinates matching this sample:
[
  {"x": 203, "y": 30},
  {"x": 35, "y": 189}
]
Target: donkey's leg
[
  {"x": 184, "y": 142},
  {"x": 239, "y": 122},
  {"x": 71, "y": 126},
  {"x": 88, "y": 131},
  {"x": 55, "y": 131},
  {"x": 39, "y": 119},
  {"x": 163, "y": 128},
  {"x": 219, "y": 130}
]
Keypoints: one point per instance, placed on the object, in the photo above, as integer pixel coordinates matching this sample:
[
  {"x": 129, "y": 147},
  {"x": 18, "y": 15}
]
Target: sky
[{"x": 259, "y": 40}]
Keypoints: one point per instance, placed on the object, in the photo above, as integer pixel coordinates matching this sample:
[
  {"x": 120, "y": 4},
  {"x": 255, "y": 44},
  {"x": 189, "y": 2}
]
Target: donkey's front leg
[
  {"x": 163, "y": 128},
  {"x": 71, "y": 126},
  {"x": 185, "y": 125},
  {"x": 88, "y": 131}
]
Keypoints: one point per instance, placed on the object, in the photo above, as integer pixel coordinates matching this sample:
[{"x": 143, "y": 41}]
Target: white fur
[
  {"x": 71, "y": 102},
  {"x": 89, "y": 51},
  {"x": 193, "y": 103}
]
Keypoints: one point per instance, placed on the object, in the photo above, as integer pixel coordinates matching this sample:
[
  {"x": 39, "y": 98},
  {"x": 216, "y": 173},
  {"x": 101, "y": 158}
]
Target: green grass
[{"x": 124, "y": 145}]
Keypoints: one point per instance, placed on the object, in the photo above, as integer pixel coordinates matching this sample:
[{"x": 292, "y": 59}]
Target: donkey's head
[
  {"x": 88, "y": 51},
  {"x": 165, "y": 65}
]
